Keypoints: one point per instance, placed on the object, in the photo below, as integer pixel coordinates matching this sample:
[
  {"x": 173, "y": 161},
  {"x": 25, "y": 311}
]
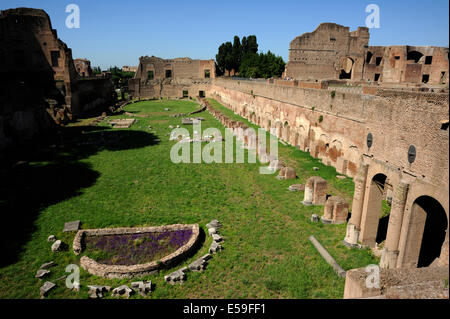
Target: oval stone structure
[{"x": 109, "y": 270}]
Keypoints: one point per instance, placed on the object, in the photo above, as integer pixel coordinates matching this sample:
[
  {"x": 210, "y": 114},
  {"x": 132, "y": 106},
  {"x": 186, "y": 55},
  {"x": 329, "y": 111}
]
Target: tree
[
  {"x": 224, "y": 57},
  {"x": 243, "y": 57},
  {"x": 263, "y": 65},
  {"x": 236, "y": 53},
  {"x": 96, "y": 70}
]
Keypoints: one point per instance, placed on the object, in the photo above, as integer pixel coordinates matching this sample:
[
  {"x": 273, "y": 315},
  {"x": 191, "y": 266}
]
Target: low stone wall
[{"x": 128, "y": 271}]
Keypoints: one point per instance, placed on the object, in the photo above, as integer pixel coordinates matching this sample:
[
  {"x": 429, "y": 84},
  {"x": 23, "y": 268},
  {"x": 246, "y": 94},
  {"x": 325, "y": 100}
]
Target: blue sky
[{"x": 118, "y": 32}]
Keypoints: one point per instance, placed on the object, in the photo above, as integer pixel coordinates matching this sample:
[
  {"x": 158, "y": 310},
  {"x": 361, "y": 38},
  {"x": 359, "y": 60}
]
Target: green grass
[{"x": 132, "y": 182}]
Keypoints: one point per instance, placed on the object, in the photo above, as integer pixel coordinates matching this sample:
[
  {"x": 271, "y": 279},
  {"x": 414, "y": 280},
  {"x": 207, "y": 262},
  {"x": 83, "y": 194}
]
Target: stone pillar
[
  {"x": 309, "y": 188},
  {"x": 354, "y": 225},
  {"x": 320, "y": 191},
  {"x": 315, "y": 191},
  {"x": 335, "y": 211},
  {"x": 389, "y": 255}
]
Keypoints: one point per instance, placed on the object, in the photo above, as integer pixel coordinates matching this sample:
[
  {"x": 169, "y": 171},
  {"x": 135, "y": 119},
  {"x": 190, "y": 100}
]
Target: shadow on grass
[{"x": 53, "y": 175}]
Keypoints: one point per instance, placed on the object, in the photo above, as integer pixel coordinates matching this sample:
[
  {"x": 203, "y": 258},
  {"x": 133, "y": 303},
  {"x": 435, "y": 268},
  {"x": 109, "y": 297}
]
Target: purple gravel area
[{"x": 135, "y": 248}]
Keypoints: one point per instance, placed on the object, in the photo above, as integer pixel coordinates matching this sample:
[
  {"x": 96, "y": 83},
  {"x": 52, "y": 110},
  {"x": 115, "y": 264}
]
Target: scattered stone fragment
[
  {"x": 198, "y": 265},
  {"x": 340, "y": 177},
  {"x": 170, "y": 126},
  {"x": 47, "y": 265},
  {"x": 41, "y": 273},
  {"x": 217, "y": 237},
  {"x": 51, "y": 238},
  {"x": 214, "y": 224},
  {"x": 122, "y": 291},
  {"x": 166, "y": 109},
  {"x": 296, "y": 187},
  {"x": 44, "y": 290},
  {"x": 178, "y": 126},
  {"x": 97, "y": 291},
  {"x": 315, "y": 168},
  {"x": 212, "y": 231},
  {"x": 314, "y": 218},
  {"x": 142, "y": 287},
  {"x": 207, "y": 257},
  {"x": 175, "y": 277},
  {"x": 215, "y": 247},
  {"x": 72, "y": 226},
  {"x": 57, "y": 246},
  {"x": 184, "y": 269}
]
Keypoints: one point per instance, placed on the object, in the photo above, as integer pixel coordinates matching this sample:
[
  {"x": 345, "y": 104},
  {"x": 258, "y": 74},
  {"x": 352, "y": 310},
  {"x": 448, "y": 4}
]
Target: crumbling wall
[
  {"x": 83, "y": 67},
  {"x": 152, "y": 81},
  {"x": 326, "y": 52}
]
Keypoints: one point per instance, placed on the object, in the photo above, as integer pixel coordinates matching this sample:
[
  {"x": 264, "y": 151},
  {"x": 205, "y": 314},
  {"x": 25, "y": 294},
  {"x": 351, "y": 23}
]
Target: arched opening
[
  {"x": 369, "y": 57},
  {"x": 286, "y": 131},
  {"x": 376, "y": 219},
  {"x": 414, "y": 55},
  {"x": 347, "y": 68},
  {"x": 427, "y": 234}
]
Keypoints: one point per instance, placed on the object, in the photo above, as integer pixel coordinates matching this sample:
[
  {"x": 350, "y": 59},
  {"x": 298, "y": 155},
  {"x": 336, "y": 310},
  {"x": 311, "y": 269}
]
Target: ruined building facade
[
  {"x": 333, "y": 51},
  {"x": 83, "y": 67},
  {"x": 38, "y": 79},
  {"x": 180, "y": 77}
]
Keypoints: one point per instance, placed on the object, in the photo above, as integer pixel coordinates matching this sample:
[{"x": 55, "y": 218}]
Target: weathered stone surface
[
  {"x": 175, "y": 277},
  {"x": 198, "y": 265},
  {"x": 212, "y": 231},
  {"x": 214, "y": 224},
  {"x": 57, "y": 246},
  {"x": 207, "y": 257},
  {"x": 290, "y": 173},
  {"x": 41, "y": 273},
  {"x": 335, "y": 211},
  {"x": 340, "y": 177},
  {"x": 47, "y": 265},
  {"x": 296, "y": 187},
  {"x": 314, "y": 218},
  {"x": 72, "y": 226},
  {"x": 97, "y": 291},
  {"x": 51, "y": 238},
  {"x": 122, "y": 291},
  {"x": 217, "y": 237},
  {"x": 45, "y": 289},
  {"x": 142, "y": 287},
  {"x": 215, "y": 247}
]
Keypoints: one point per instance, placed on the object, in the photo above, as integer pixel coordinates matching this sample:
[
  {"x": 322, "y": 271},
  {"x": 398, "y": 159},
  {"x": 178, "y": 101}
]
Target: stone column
[
  {"x": 354, "y": 225},
  {"x": 389, "y": 255},
  {"x": 309, "y": 188}
]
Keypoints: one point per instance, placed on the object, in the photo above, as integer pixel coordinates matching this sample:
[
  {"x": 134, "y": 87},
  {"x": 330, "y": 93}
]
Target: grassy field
[{"x": 124, "y": 177}]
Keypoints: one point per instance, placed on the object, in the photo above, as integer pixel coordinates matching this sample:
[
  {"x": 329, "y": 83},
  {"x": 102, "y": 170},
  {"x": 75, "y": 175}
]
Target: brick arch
[
  {"x": 371, "y": 215},
  {"x": 286, "y": 131},
  {"x": 427, "y": 232}
]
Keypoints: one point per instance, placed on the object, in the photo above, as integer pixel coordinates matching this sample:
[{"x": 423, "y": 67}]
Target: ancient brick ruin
[
  {"x": 83, "y": 67},
  {"x": 181, "y": 77},
  {"x": 39, "y": 82},
  {"x": 333, "y": 51}
]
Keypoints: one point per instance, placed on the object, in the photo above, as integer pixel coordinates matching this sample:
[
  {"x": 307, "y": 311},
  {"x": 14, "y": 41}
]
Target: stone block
[{"x": 72, "y": 226}]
